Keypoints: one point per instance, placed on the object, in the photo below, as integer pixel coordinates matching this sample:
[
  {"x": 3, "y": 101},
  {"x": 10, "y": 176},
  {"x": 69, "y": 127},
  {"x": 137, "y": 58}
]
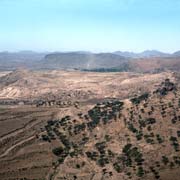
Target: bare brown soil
[{"x": 26, "y": 154}]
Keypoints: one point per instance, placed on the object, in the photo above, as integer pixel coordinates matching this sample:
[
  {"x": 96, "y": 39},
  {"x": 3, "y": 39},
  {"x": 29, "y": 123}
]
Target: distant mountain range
[
  {"x": 116, "y": 61},
  {"x": 27, "y": 59},
  {"x": 21, "y": 56},
  {"x": 177, "y": 53},
  {"x": 146, "y": 54}
]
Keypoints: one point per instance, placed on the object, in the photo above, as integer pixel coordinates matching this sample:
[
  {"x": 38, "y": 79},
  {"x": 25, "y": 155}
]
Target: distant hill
[
  {"x": 154, "y": 53},
  {"x": 177, "y": 53},
  {"x": 147, "y": 61},
  {"x": 11, "y": 61},
  {"x": 78, "y": 60},
  {"x": 155, "y": 64},
  {"x": 144, "y": 54},
  {"x": 21, "y": 56},
  {"x": 126, "y": 54}
]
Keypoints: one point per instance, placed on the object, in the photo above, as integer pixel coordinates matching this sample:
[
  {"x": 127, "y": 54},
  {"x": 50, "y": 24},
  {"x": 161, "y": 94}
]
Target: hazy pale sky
[{"x": 91, "y": 25}]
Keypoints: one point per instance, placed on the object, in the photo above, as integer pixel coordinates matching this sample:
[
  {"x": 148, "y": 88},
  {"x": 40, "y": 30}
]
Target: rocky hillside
[
  {"x": 131, "y": 139},
  {"x": 50, "y": 85}
]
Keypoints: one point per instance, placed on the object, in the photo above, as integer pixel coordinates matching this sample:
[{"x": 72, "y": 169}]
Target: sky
[{"x": 90, "y": 25}]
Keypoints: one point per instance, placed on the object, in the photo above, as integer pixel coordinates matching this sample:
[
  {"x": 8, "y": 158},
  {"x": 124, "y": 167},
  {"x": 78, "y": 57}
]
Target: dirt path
[{"x": 16, "y": 145}]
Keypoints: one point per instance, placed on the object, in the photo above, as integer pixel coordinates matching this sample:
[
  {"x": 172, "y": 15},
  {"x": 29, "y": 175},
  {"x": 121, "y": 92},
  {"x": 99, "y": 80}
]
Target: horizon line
[{"x": 86, "y": 51}]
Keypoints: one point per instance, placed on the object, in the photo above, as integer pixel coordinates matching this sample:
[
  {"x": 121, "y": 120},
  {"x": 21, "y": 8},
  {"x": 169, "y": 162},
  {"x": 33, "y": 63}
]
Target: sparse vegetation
[
  {"x": 132, "y": 138},
  {"x": 137, "y": 100}
]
